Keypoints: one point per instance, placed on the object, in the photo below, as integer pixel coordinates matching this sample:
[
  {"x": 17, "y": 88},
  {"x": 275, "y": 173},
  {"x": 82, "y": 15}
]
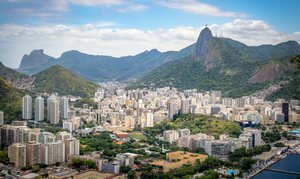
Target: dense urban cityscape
[
  {"x": 162, "y": 89},
  {"x": 148, "y": 132}
]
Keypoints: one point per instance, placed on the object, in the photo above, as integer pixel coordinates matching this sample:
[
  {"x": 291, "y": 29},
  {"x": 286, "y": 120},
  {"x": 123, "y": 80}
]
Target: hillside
[
  {"x": 15, "y": 78},
  {"x": 226, "y": 65},
  {"x": 292, "y": 89},
  {"x": 58, "y": 79},
  {"x": 10, "y": 99}
]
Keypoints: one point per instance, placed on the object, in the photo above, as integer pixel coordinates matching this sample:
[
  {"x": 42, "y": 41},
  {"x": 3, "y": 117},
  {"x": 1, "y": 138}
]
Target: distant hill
[
  {"x": 292, "y": 89},
  {"x": 103, "y": 68},
  {"x": 11, "y": 101},
  {"x": 60, "y": 80},
  {"x": 227, "y": 65},
  {"x": 15, "y": 78}
]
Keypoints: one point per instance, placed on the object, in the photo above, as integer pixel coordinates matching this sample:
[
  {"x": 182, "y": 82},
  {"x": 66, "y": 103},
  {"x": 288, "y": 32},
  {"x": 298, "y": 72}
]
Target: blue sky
[{"x": 127, "y": 27}]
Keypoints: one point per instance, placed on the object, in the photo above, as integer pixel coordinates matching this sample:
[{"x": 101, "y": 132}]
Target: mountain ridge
[
  {"x": 227, "y": 65},
  {"x": 103, "y": 68}
]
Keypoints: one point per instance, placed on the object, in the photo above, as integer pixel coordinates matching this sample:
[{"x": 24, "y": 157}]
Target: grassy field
[{"x": 137, "y": 135}]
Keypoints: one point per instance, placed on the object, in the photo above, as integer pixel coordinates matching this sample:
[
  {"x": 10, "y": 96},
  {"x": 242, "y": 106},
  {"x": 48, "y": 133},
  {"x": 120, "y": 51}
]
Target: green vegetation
[
  {"x": 210, "y": 174},
  {"x": 53, "y": 128},
  {"x": 83, "y": 164},
  {"x": 279, "y": 144},
  {"x": 58, "y": 79},
  {"x": 36, "y": 168},
  {"x": 246, "y": 163},
  {"x": 11, "y": 101},
  {"x": 185, "y": 171},
  {"x": 103, "y": 142},
  {"x": 296, "y": 60},
  {"x": 137, "y": 135},
  {"x": 272, "y": 136},
  {"x": 198, "y": 123},
  {"x": 87, "y": 125},
  {"x": 243, "y": 157},
  {"x": 79, "y": 103},
  {"x": 8, "y": 73},
  {"x": 241, "y": 153},
  {"x": 4, "y": 156},
  {"x": 26, "y": 168},
  {"x": 229, "y": 67},
  {"x": 288, "y": 91},
  {"x": 131, "y": 174},
  {"x": 125, "y": 169}
]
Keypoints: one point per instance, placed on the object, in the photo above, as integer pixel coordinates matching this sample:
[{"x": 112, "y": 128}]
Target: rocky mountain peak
[
  {"x": 37, "y": 51},
  {"x": 204, "y": 37},
  {"x": 35, "y": 59}
]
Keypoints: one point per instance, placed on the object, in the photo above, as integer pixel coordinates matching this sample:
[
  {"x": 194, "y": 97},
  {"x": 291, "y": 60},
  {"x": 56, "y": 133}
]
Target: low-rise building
[{"x": 126, "y": 159}]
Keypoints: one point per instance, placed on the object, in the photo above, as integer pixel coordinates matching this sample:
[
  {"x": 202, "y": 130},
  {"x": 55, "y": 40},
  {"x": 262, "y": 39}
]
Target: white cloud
[
  {"x": 133, "y": 8},
  {"x": 197, "y": 7},
  {"x": 50, "y": 8},
  {"x": 253, "y": 32},
  {"x": 104, "y": 38}
]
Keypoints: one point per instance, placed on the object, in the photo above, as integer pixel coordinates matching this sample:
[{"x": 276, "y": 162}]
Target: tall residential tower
[
  {"x": 39, "y": 109},
  {"x": 53, "y": 110},
  {"x": 64, "y": 106},
  {"x": 27, "y": 107}
]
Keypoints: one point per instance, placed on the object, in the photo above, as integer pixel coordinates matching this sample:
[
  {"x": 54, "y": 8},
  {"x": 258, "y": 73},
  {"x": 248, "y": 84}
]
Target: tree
[
  {"x": 210, "y": 174},
  {"x": 279, "y": 144},
  {"x": 90, "y": 164},
  {"x": 36, "y": 168},
  {"x": 4, "y": 157},
  {"x": 125, "y": 169},
  {"x": 131, "y": 174},
  {"x": 77, "y": 163},
  {"x": 247, "y": 163}
]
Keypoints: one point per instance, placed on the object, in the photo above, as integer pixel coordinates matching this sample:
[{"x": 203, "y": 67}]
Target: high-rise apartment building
[
  {"x": 255, "y": 136},
  {"x": 53, "y": 152},
  {"x": 183, "y": 132},
  {"x": 27, "y": 107},
  {"x": 17, "y": 154},
  {"x": 149, "y": 119},
  {"x": 33, "y": 153},
  {"x": 39, "y": 109},
  {"x": 170, "y": 136},
  {"x": 71, "y": 147},
  {"x": 184, "y": 106},
  {"x": 64, "y": 106},
  {"x": 240, "y": 102},
  {"x": 129, "y": 122},
  {"x": 285, "y": 111},
  {"x": 171, "y": 109},
  {"x": 63, "y": 136},
  {"x": 53, "y": 110}
]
